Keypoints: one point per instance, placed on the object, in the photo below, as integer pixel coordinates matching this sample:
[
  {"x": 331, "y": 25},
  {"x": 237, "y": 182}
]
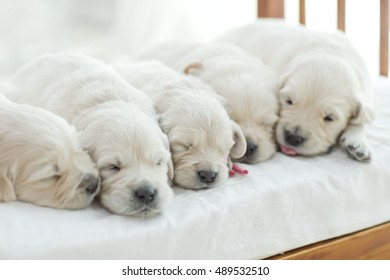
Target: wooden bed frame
[{"x": 368, "y": 244}]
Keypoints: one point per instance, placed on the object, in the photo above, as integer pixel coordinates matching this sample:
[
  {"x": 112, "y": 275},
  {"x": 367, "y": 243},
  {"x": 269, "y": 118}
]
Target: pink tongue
[{"x": 288, "y": 151}]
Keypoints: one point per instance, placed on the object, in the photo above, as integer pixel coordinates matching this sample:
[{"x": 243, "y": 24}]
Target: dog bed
[{"x": 282, "y": 204}]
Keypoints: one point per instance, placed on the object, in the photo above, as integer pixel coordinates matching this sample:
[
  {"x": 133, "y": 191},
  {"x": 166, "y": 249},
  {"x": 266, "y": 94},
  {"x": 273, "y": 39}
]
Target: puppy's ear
[
  {"x": 286, "y": 76},
  {"x": 283, "y": 80},
  {"x": 170, "y": 162},
  {"x": 86, "y": 144},
  {"x": 7, "y": 192},
  {"x": 193, "y": 68},
  {"x": 362, "y": 113},
  {"x": 239, "y": 148},
  {"x": 170, "y": 169},
  {"x": 162, "y": 102}
]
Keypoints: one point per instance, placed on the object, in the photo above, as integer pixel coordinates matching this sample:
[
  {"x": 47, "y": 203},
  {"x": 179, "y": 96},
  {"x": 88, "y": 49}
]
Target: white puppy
[
  {"x": 325, "y": 87},
  {"x": 199, "y": 130},
  {"x": 41, "y": 160},
  {"x": 248, "y": 86},
  {"x": 117, "y": 125}
]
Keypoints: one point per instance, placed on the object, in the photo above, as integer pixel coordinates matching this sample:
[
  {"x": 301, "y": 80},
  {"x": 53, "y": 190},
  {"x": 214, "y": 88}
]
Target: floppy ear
[
  {"x": 170, "y": 162},
  {"x": 282, "y": 82},
  {"x": 283, "y": 79},
  {"x": 86, "y": 144},
  {"x": 286, "y": 76},
  {"x": 7, "y": 192},
  {"x": 170, "y": 169},
  {"x": 162, "y": 102},
  {"x": 239, "y": 148},
  {"x": 362, "y": 113},
  {"x": 193, "y": 67}
]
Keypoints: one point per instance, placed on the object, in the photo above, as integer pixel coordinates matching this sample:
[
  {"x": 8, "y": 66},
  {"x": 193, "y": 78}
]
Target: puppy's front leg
[{"x": 353, "y": 141}]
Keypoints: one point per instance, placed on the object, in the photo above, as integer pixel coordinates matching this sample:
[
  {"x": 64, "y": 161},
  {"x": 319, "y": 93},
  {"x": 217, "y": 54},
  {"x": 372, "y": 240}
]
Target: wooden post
[
  {"x": 384, "y": 38},
  {"x": 341, "y": 15},
  {"x": 302, "y": 12},
  {"x": 270, "y": 8}
]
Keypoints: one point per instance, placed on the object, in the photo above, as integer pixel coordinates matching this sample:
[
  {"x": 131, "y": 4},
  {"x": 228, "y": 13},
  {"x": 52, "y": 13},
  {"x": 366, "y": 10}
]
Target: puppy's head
[
  {"x": 250, "y": 92},
  {"x": 46, "y": 165},
  {"x": 202, "y": 137},
  {"x": 133, "y": 157},
  {"x": 319, "y": 98}
]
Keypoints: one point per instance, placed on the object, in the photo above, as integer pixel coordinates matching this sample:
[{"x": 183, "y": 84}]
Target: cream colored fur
[
  {"x": 325, "y": 92},
  {"x": 248, "y": 86},
  {"x": 41, "y": 160},
  {"x": 200, "y": 132},
  {"x": 117, "y": 125}
]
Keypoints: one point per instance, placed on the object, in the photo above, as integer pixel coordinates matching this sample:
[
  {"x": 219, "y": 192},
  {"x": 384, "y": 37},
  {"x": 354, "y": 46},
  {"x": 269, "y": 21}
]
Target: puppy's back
[
  {"x": 68, "y": 84},
  {"x": 154, "y": 78},
  {"x": 20, "y": 120},
  {"x": 280, "y": 45}
]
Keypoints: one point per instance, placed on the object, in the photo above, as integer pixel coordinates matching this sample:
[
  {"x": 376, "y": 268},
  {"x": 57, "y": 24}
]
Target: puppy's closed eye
[
  {"x": 112, "y": 168},
  {"x": 55, "y": 177},
  {"x": 182, "y": 146},
  {"x": 289, "y": 101},
  {"x": 287, "y": 97},
  {"x": 329, "y": 118}
]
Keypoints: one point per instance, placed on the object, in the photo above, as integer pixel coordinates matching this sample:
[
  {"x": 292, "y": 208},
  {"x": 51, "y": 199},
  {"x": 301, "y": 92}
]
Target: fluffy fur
[
  {"x": 41, "y": 160},
  {"x": 325, "y": 87},
  {"x": 248, "y": 86},
  {"x": 117, "y": 125},
  {"x": 200, "y": 132}
]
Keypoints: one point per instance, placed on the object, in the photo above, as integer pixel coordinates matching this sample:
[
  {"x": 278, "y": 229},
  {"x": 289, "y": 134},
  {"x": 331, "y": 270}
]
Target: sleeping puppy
[
  {"x": 41, "y": 160},
  {"x": 117, "y": 125},
  {"x": 248, "y": 86},
  {"x": 200, "y": 132},
  {"x": 325, "y": 87}
]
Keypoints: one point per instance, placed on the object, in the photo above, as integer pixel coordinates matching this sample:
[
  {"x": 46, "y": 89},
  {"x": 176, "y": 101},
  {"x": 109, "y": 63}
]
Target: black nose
[
  {"x": 145, "y": 194},
  {"x": 207, "y": 176},
  {"x": 293, "y": 139},
  {"x": 90, "y": 183},
  {"x": 250, "y": 148}
]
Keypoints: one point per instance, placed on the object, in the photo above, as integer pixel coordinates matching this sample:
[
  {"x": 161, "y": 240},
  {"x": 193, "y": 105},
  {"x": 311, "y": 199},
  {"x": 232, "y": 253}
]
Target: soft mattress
[{"x": 280, "y": 205}]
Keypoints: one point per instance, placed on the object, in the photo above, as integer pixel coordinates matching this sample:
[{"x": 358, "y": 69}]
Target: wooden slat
[
  {"x": 341, "y": 15},
  {"x": 369, "y": 244},
  {"x": 384, "y": 38},
  {"x": 270, "y": 8},
  {"x": 302, "y": 12}
]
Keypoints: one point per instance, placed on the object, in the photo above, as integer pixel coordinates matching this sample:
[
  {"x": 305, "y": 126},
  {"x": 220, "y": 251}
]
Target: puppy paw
[{"x": 356, "y": 149}]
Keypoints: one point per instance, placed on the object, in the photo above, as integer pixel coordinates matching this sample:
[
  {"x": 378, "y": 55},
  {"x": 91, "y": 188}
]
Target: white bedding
[{"x": 282, "y": 204}]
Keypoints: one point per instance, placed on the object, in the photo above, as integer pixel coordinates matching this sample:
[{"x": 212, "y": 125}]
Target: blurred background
[{"x": 106, "y": 28}]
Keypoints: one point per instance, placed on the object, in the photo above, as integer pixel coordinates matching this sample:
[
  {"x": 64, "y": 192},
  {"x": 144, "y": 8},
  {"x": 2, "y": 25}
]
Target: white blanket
[{"x": 282, "y": 204}]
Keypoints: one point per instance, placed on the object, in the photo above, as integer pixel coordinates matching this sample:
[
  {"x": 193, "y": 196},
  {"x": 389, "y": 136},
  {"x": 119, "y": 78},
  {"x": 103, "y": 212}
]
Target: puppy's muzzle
[
  {"x": 293, "y": 139},
  {"x": 91, "y": 184},
  {"x": 145, "y": 194},
  {"x": 207, "y": 176}
]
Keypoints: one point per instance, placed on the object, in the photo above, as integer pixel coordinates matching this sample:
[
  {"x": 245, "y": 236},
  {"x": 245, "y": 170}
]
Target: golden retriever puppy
[
  {"x": 248, "y": 86},
  {"x": 325, "y": 87},
  {"x": 41, "y": 160},
  {"x": 200, "y": 132},
  {"x": 117, "y": 125}
]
